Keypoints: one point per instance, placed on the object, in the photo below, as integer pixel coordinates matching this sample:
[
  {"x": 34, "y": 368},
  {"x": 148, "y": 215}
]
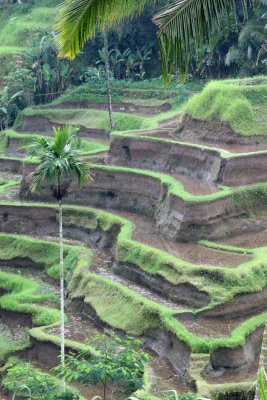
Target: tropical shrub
[
  {"x": 25, "y": 380},
  {"x": 116, "y": 361}
]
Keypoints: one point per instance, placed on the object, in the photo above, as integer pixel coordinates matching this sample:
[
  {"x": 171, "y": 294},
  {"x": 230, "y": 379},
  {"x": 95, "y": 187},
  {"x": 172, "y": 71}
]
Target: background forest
[{"x": 31, "y": 73}]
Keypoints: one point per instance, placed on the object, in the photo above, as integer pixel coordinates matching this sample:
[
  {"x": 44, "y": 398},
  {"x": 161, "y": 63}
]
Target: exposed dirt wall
[
  {"x": 143, "y": 195},
  {"x": 42, "y": 125},
  {"x": 178, "y": 158},
  {"x": 117, "y": 107},
  {"x": 240, "y": 356},
  {"x": 215, "y": 131},
  {"x": 183, "y": 293},
  {"x": 167, "y": 157}
]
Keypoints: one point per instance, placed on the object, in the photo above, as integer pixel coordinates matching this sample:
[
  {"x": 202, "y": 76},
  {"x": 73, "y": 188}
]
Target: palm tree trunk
[
  {"x": 262, "y": 360},
  {"x": 62, "y": 320},
  {"x": 107, "y": 73}
]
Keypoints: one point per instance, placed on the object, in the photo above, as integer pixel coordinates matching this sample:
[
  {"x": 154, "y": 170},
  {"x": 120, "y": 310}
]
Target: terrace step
[
  {"x": 39, "y": 124},
  {"x": 163, "y": 377},
  {"x": 125, "y": 107},
  {"x": 211, "y": 165},
  {"x": 145, "y": 231},
  {"x": 102, "y": 265},
  {"x": 213, "y": 327},
  {"x": 105, "y": 273}
]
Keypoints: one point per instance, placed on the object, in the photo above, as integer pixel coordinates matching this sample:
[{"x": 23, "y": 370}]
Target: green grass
[
  {"x": 20, "y": 22},
  {"x": 122, "y": 308},
  {"x": 150, "y": 92},
  {"x": 240, "y": 104},
  {"x": 22, "y": 296},
  {"x": 26, "y": 295},
  {"x": 174, "y": 187},
  {"x": 213, "y": 150},
  {"x": 114, "y": 303},
  {"x": 6, "y": 184},
  {"x": 43, "y": 252},
  {"x": 221, "y": 283},
  {"x": 10, "y": 50},
  {"x": 218, "y": 391},
  {"x": 92, "y": 118},
  {"x": 86, "y": 147},
  {"x": 100, "y": 118}
]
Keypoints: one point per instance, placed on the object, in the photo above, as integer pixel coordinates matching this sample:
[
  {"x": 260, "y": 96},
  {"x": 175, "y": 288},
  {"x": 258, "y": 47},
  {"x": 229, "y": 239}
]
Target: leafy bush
[
  {"x": 29, "y": 382},
  {"x": 117, "y": 360}
]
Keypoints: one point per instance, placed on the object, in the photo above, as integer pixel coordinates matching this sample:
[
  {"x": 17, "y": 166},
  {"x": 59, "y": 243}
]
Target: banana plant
[{"x": 5, "y": 106}]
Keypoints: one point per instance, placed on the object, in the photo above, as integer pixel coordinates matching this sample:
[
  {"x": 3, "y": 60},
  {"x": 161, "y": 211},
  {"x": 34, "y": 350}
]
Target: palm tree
[
  {"x": 5, "y": 102},
  {"x": 58, "y": 160},
  {"x": 184, "y": 26},
  {"x": 107, "y": 73}
]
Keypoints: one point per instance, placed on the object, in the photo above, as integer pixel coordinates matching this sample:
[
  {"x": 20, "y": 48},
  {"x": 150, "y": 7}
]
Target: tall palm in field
[
  {"x": 58, "y": 161},
  {"x": 107, "y": 73},
  {"x": 184, "y": 25}
]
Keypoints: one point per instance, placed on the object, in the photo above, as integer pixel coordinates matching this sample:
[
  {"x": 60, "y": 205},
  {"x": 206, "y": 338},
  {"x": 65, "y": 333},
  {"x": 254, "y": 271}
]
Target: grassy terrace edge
[
  {"x": 86, "y": 147},
  {"x": 236, "y": 101},
  {"x": 94, "y": 288},
  {"x": 99, "y": 118},
  {"x": 215, "y": 150},
  {"x": 240, "y": 195}
]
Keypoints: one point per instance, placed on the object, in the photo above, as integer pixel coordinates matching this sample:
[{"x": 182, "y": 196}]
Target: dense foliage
[
  {"x": 118, "y": 361},
  {"x": 24, "y": 380}
]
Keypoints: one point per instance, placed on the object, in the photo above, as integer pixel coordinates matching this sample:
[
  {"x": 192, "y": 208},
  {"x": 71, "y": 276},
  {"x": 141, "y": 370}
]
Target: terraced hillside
[
  {"x": 18, "y": 25},
  {"x": 168, "y": 243}
]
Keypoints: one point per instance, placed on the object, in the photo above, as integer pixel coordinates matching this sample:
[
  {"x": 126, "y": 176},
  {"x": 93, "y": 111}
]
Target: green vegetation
[
  {"x": 95, "y": 118},
  {"x": 58, "y": 160},
  {"x": 124, "y": 309},
  {"x": 24, "y": 141},
  {"x": 240, "y": 102},
  {"x": 36, "y": 82},
  {"x": 22, "y": 21},
  {"x": 42, "y": 253},
  {"x": 5, "y": 184},
  {"x": 26, "y": 294},
  {"x": 150, "y": 92},
  {"x": 25, "y": 380},
  {"x": 245, "y": 390},
  {"x": 121, "y": 303},
  {"x": 117, "y": 360}
]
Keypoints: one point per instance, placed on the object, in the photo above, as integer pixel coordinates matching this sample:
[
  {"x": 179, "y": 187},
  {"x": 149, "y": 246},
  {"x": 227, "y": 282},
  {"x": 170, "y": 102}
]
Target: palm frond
[
  {"x": 187, "y": 25},
  {"x": 38, "y": 146},
  {"x": 78, "y": 20},
  {"x": 58, "y": 159}
]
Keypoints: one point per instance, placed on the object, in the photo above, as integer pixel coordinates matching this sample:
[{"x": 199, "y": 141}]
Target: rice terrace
[{"x": 133, "y": 200}]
